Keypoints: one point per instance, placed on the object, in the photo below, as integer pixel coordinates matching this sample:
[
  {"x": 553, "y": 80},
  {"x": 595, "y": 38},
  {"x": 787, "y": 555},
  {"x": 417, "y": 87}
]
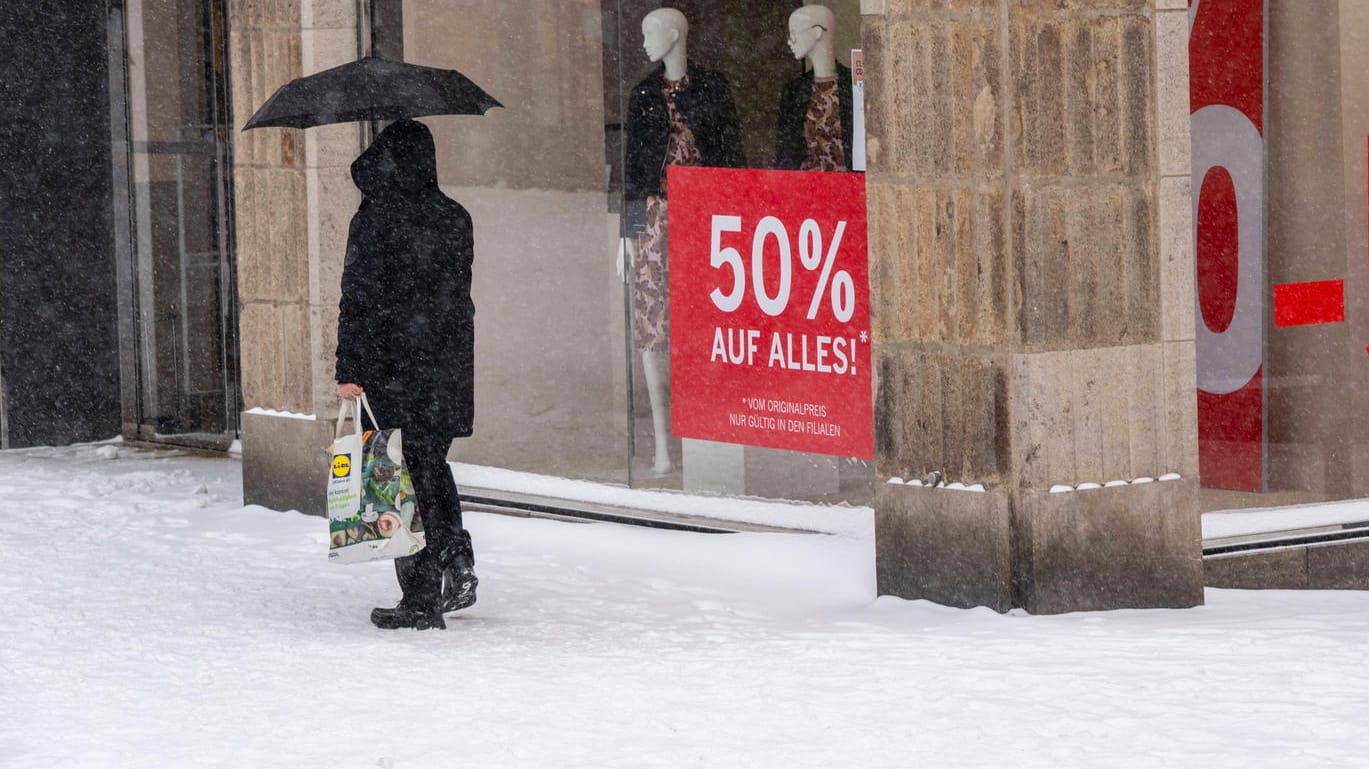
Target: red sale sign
[
  {"x": 1226, "y": 94},
  {"x": 769, "y": 309}
]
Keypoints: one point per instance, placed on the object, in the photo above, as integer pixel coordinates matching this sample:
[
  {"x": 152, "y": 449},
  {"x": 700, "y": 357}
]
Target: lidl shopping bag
[{"x": 372, "y": 512}]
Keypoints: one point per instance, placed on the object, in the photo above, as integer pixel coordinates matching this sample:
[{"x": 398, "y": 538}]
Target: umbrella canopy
[{"x": 371, "y": 89}]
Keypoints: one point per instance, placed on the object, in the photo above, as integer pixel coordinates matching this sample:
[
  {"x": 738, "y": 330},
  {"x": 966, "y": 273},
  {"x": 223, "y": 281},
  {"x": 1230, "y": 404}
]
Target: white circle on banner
[{"x": 1223, "y": 137}]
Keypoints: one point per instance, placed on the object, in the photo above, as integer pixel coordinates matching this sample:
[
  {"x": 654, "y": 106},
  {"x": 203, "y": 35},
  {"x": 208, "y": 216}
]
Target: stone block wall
[
  {"x": 294, "y": 198},
  {"x": 1031, "y": 282},
  {"x": 271, "y": 212}
]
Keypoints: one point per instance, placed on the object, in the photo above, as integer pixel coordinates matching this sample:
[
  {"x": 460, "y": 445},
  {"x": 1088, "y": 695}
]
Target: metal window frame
[
  {"x": 217, "y": 75},
  {"x": 4, "y": 413}
]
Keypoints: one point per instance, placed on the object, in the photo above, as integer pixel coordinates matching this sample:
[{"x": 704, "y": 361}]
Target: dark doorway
[{"x": 59, "y": 366}]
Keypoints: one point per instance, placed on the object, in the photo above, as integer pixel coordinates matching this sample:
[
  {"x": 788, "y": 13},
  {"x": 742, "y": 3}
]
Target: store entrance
[{"x": 176, "y": 266}]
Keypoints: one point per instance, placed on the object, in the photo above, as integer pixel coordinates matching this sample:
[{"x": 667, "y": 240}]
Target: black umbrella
[{"x": 371, "y": 89}]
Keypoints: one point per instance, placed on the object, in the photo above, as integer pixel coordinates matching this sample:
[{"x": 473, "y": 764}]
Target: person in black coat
[{"x": 406, "y": 334}]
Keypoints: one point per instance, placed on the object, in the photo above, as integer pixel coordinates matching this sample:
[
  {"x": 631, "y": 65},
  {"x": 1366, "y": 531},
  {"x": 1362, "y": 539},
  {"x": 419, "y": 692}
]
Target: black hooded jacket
[
  {"x": 406, "y": 323},
  {"x": 791, "y": 148},
  {"x": 706, "y": 106}
]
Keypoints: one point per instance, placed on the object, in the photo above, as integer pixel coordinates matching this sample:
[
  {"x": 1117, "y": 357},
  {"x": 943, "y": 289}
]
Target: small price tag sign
[{"x": 769, "y": 309}]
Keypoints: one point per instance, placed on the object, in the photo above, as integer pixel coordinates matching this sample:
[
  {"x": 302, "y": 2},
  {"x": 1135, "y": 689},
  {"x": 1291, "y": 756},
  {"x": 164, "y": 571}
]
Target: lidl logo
[{"x": 342, "y": 465}]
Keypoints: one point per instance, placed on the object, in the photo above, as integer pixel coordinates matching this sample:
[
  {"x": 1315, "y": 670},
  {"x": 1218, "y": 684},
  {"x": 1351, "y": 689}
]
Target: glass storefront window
[
  {"x": 1278, "y": 194},
  {"x": 550, "y": 389},
  {"x": 576, "y": 327},
  {"x": 573, "y": 350}
]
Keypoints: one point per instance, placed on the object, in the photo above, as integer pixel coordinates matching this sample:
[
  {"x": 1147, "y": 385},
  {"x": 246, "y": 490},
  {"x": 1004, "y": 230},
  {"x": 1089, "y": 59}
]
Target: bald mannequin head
[
  {"x": 664, "y": 35},
  {"x": 810, "y": 37},
  {"x": 668, "y": 17}
]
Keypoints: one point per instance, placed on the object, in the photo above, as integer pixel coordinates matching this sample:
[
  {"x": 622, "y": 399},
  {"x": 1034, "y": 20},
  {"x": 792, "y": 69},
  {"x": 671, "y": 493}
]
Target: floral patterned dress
[
  {"x": 650, "y": 279},
  {"x": 822, "y": 128}
]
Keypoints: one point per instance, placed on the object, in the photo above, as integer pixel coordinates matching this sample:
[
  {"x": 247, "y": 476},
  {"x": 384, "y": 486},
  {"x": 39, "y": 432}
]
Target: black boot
[
  {"x": 458, "y": 575},
  {"x": 420, "y": 580},
  {"x": 408, "y": 616},
  {"x": 458, "y": 587}
]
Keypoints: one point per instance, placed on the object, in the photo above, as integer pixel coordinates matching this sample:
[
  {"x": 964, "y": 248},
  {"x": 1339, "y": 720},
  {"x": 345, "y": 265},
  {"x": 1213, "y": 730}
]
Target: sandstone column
[
  {"x": 293, "y": 201},
  {"x": 1032, "y": 296}
]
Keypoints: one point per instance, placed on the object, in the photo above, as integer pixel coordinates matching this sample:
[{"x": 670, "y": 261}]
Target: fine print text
[{"x": 784, "y": 416}]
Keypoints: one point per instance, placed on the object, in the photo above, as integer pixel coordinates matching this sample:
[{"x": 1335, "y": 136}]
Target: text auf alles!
[{"x": 796, "y": 352}]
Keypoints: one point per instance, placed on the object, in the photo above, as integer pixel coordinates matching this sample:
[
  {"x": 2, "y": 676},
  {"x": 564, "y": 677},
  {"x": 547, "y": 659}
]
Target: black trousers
[
  {"x": 439, "y": 501},
  {"x": 439, "y": 507}
]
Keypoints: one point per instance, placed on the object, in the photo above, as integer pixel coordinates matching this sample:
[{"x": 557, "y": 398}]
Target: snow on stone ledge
[
  {"x": 955, "y": 486},
  {"x": 1057, "y": 489},
  {"x": 286, "y": 414},
  {"x": 1089, "y": 485}
]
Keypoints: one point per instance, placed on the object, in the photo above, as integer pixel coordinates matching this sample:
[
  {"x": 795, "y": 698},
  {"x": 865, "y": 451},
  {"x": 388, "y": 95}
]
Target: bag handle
[{"x": 358, "y": 404}]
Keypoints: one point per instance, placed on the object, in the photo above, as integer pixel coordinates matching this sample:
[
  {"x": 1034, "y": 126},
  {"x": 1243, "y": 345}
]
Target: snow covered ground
[{"x": 148, "y": 619}]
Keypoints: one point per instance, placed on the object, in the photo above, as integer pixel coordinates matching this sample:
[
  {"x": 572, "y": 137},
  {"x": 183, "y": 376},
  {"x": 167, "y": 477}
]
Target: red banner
[
  {"x": 769, "y": 309},
  {"x": 1226, "y": 96}
]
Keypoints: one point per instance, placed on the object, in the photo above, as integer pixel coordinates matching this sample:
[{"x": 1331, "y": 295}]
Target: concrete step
[
  {"x": 1331, "y": 557},
  {"x": 534, "y": 506}
]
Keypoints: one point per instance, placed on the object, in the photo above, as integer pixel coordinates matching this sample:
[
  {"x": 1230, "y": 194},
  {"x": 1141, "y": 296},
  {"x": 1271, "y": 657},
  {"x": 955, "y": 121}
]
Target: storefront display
[
  {"x": 815, "y": 123},
  {"x": 618, "y": 348},
  {"x": 580, "y": 377},
  {"x": 681, "y": 115}
]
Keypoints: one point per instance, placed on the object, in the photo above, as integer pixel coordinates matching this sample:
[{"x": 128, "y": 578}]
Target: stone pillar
[
  {"x": 1032, "y": 301},
  {"x": 293, "y": 199}
]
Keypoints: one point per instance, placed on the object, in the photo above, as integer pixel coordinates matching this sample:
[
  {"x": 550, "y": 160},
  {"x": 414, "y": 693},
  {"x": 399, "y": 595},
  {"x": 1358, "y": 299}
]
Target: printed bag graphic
[{"x": 372, "y": 512}]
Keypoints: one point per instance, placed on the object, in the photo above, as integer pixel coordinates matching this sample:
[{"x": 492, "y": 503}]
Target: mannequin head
[
  {"x": 664, "y": 32},
  {"x": 810, "y": 32}
]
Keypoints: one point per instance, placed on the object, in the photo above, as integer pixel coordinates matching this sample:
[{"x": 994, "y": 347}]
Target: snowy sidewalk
[{"x": 172, "y": 627}]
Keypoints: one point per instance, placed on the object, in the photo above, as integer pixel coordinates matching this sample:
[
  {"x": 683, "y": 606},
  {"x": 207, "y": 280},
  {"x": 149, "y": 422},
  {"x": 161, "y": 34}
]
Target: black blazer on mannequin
[
  {"x": 706, "y": 107},
  {"x": 790, "y": 147}
]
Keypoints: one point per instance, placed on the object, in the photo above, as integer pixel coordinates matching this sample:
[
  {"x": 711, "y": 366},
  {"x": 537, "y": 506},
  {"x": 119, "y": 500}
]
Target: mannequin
[
  {"x": 682, "y": 114},
  {"x": 814, "y": 131}
]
